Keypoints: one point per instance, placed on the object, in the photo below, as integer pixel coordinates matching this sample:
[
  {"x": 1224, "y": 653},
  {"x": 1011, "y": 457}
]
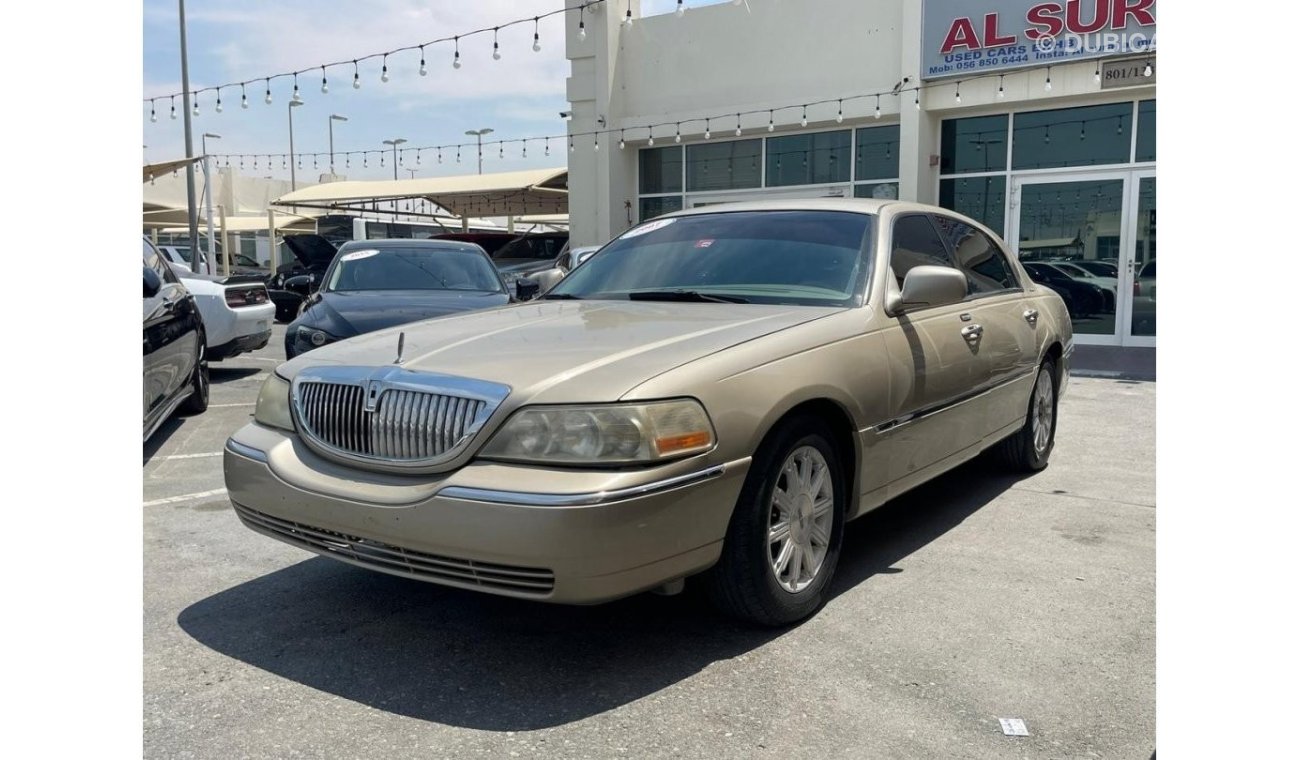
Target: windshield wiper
[
  {"x": 559, "y": 297},
  {"x": 683, "y": 295}
]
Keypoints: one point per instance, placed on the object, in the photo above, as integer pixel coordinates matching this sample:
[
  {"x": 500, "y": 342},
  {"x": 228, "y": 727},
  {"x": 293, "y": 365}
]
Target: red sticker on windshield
[{"x": 703, "y": 243}]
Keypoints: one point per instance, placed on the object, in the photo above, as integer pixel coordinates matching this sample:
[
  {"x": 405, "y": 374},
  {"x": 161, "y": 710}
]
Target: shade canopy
[{"x": 534, "y": 191}]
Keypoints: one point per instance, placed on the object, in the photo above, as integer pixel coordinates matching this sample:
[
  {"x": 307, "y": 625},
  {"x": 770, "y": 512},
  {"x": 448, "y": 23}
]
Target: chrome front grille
[
  {"x": 376, "y": 555},
  {"x": 391, "y": 417},
  {"x": 404, "y": 426}
]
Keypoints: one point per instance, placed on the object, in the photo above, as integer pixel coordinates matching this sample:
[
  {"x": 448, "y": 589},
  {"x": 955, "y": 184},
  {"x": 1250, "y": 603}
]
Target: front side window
[
  {"x": 977, "y": 256},
  {"x": 916, "y": 243},
  {"x": 814, "y": 258},
  {"x": 390, "y": 268}
]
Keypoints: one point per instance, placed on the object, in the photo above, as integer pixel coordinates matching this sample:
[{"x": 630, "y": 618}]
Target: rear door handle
[
  {"x": 1031, "y": 316},
  {"x": 972, "y": 332}
]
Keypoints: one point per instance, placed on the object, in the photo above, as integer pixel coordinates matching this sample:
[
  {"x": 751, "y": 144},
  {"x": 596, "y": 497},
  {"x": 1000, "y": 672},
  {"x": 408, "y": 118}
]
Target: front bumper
[{"x": 546, "y": 534}]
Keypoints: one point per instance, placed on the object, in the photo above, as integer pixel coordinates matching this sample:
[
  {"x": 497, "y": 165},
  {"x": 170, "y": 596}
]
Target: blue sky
[{"x": 234, "y": 40}]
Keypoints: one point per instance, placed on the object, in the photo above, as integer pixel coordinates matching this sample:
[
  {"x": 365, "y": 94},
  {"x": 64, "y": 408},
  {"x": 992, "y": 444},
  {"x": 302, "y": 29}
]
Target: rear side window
[
  {"x": 916, "y": 243},
  {"x": 977, "y": 256}
]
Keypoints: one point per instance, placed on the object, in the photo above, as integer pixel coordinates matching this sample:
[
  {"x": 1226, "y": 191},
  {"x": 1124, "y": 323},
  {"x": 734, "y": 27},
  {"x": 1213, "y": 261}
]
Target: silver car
[{"x": 713, "y": 396}]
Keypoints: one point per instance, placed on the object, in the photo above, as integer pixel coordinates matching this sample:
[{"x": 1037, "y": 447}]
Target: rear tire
[
  {"x": 197, "y": 402},
  {"x": 783, "y": 542},
  {"x": 1029, "y": 448}
]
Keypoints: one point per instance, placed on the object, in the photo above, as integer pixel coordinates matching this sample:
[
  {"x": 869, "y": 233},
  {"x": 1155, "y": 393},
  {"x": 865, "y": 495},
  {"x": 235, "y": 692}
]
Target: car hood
[
  {"x": 347, "y": 314},
  {"x": 564, "y": 351},
  {"x": 311, "y": 250}
]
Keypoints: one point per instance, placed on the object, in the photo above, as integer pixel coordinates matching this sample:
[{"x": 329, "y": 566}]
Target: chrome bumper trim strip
[{"x": 524, "y": 499}]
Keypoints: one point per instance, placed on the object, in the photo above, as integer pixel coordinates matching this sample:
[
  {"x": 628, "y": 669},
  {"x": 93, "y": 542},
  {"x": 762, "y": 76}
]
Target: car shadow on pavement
[
  {"x": 218, "y": 374},
  {"x": 478, "y": 661}
]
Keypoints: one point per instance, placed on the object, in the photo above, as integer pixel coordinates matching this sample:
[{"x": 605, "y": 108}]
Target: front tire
[
  {"x": 783, "y": 542},
  {"x": 1029, "y": 448}
]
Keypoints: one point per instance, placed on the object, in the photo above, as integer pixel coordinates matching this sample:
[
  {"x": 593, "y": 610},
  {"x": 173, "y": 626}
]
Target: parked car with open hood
[
  {"x": 295, "y": 280},
  {"x": 175, "y": 354},
  {"x": 715, "y": 393},
  {"x": 373, "y": 284}
]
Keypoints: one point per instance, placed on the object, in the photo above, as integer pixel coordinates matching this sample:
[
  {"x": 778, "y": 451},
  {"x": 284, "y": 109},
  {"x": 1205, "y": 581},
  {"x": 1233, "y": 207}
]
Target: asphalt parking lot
[{"x": 977, "y": 597}]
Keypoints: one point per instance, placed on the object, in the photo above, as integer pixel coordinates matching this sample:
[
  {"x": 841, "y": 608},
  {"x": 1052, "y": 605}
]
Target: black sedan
[
  {"x": 1082, "y": 299},
  {"x": 373, "y": 284},
  {"x": 175, "y": 360}
]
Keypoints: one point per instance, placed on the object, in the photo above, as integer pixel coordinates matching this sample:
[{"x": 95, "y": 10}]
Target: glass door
[
  {"x": 1141, "y": 265},
  {"x": 1070, "y": 231}
]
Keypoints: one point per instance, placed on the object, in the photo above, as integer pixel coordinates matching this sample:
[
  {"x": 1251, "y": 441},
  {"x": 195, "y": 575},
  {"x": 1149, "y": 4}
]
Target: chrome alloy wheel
[
  {"x": 1043, "y": 411},
  {"x": 801, "y": 517}
]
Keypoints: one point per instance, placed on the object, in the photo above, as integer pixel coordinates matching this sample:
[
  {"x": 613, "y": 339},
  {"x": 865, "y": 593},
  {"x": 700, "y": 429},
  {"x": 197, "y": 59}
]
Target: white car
[{"x": 237, "y": 312}]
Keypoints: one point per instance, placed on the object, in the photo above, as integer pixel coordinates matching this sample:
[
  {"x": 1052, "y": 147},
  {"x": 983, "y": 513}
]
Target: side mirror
[
  {"x": 300, "y": 284},
  {"x": 152, "y": 283},
  {"x": 928, "y": 286},
  {"x": 526, "y": 289}
]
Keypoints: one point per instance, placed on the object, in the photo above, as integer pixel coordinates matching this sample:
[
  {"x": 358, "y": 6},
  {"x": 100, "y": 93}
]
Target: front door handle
[
  {"x": 972, "y": 333},
  {"x": 1031, "y": 316}
]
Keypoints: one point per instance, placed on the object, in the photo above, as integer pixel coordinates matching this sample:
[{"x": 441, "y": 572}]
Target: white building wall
[{"x": 723, "y": 59}]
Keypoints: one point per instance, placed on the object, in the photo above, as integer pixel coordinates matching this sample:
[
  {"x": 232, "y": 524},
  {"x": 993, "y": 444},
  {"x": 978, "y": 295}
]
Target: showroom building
[{"x": 1036, "y": 118}]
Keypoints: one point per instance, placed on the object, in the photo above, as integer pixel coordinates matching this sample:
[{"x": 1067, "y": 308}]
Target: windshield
[
  {"x": 392, "y": 268},
  {"x": 814, "y": 258}
]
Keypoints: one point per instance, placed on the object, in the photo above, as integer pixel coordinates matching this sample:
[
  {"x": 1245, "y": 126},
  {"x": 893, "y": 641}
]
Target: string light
[
  {"x": 1147, "y": 71},
  {"x": 458, "y": 154},
  {"x": 537, "y": 37},
  {"x": 496, "y": 49},
  {"x": 595, "y": 142},
  {"x": 737, "y": 125},
  {"x": 678, "y": 136},
  {"x": 570, "y": 143},
  {"x": 621, "y": 143},
  {"x": 627, "y": 19},
  {"x": 650, "y": 133},
  {"x": 918, "y": 99},
  {"x": 1001, "y": 92},
  {"x": 582, "y": 25},
  {"x": 803, "y": 122},
  {"x": 219, "y": 109},
  {"x": 455, "y": 61},
  {"x": 439, "y": 155},
  {"x": 173, "y": 107},
  {"x": 771, "y": 125},
  {"x": 1047, "y": 85},
  {"x": 958, "y": 96},
  {"x": 1096, "y": 73},
  {"x": 296, "y": 97},
  {"x": 424, "y": 69},
  {"x": 356, "y": 75},
  {"x": 877, "y": 106},
  {"x": 268, "y": 92},
  {"x": 547, "y": 146},
  {"x": 153, "y": 112},
  {"x": 707, "y": 133},
  {"x": 383, "y": 75},
  {"x": 195, "y": 110},
  {"x": 243, "y": 96},
  {"x": 681, "y": 9},
  {"x": 501, "y": 150},
  {"x": 839, "y": 115},
  {"x": 523, "y": 149}
]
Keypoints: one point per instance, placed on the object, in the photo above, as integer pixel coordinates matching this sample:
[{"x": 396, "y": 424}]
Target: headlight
[
  {"x": 608, "y": 434},
  {"x": 314, "y": 337},
  {"x": 272, "y": 407}
]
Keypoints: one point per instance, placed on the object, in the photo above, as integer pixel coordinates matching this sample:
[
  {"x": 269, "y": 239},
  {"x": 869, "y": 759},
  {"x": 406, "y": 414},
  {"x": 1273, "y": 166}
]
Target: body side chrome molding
[
  {"x": 525, "y": 499},
  {"x": 945, "y": 405}
]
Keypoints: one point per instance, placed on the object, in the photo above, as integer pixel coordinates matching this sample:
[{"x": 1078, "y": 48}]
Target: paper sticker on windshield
[
  {"x": 354, "y": 255},
  {"x": 704, "y": 243},
  {"x": 658, "y": 224}
]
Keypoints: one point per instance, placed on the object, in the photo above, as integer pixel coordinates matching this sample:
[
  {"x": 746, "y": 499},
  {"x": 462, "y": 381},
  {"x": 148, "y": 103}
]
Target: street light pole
[
  {"x": 333, "y": 118},
  {"x": 207, "y": 193},
  {"x": 395, "y": 143},
  {"x": 478, "y": 135},
  {"x": 191, "y": 208},
  {"x": 293, "y": 167}
]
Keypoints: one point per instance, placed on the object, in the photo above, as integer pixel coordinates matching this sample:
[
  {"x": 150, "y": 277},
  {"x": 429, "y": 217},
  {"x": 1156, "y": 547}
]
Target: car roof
[
  {"x": 854, "y": 205},
  {"x": 440, "y": 244}
]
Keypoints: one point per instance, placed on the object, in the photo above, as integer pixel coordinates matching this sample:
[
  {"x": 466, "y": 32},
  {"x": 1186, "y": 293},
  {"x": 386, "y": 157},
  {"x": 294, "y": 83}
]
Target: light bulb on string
[
  {"x": 1096, "y": 73},
  {"x": 877, "y": 106},
  {"x": 707, "y": 133},
  {"x": 153, "y": 112},
  {"x": 173, "y": 107},
  {"x": 678, "y": 137},
  {"x": 424, "y": 68},
  {"x": 627, "y": 18},
  {"x": 570, "y": 143},
  {"x": 737, "y": 125},
  {"x": 455, "y": 60},
  {"x": 622, "y": 144},
  {"x": 255, "y": 163},
  {"x": 195, "y": 110},
  {"x": 458, "y": 154},
  {"x": 546, "y": 145},
  {"x": 501, "y": 150},
  {"x": 839, "y": 114},
  {"x": 681, "y": 9},
  {"x": 1047, "y": 85},
  {"x": 383, "y": 74},
  {"x": 219, "y": 108},
  {"x": 771, "y": 124},
  {"x": 496, "y": 48},
  {"x": 243, "y": 96},
  {"x": 1147, "y": 70},
  {"x": 382, "y": 157},
  {"x": 1001, "y": 92},
  {"x": 365, "y": 160},
  {"x": 284, "y": 163},
  {"x": 439, "y": 154},
  {"x": 537, "y": 37},
  {"x": 582, "y": 25},
  {"x": 595, "y": 142},
  {"x": 803, "y": 121},
  {"x": 417, "y": 158},
  {"x": 523, "y": 149},
  {"x": 650, "y": 135},
  {"x": 917, "y": 103},
  {"x": 296, "y": 97},
  {"x": 267, "y": 99},
  {"x": 347, "y": 161},
  {"x": 314, "y": 165}
]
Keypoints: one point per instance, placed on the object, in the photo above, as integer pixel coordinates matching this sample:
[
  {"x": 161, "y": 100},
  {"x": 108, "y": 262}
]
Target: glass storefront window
[
  {"x": 1146, "y": 136},
  {"x": 1144, "y": 261},
  {"x": 661, "y": 170},
  {"x": 977, "y": 144},
  {"x": 652, "y": 207},
  {"x": 1085, "y": 136},
  {"x": 818, "y": 158},
  {"x": 877, "y": 154},
  {"x": 731, "y": 165},
  {"x": 981, "y": 198},
  {"x": 883, "y": 190}
]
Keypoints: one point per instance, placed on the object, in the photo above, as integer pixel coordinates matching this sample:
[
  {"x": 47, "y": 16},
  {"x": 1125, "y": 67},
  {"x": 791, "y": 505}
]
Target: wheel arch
[{"x": 843, "y": 431}]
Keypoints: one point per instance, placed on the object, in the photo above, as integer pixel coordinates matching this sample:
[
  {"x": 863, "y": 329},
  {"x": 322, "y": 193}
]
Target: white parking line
[
  {"x": 186, "y": 497},
  {"x": 222, "y": 406},
  {"x": 188, "y": 456}
]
